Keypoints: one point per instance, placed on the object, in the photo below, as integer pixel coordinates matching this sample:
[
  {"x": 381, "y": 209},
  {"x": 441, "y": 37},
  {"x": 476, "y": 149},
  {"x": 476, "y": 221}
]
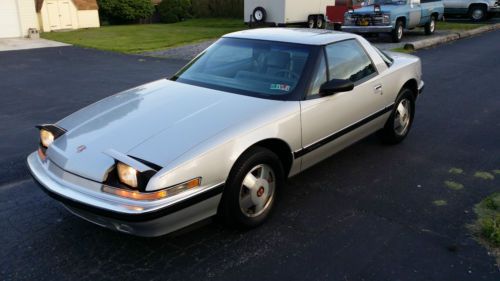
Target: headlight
[
  {"x": 386, "y": 18},
  {"x": 46, "y": 138},
  {"x": 127, "y": 175}
]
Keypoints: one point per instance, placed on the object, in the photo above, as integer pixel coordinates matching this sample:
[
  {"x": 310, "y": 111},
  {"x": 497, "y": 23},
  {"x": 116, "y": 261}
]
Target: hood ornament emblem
[{"x": 80, "y": 148}]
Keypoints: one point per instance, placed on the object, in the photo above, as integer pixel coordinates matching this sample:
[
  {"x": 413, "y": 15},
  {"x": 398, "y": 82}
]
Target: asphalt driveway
[
  {"x": 44, "y": 85},
  {"x": 367, "y": 213}
]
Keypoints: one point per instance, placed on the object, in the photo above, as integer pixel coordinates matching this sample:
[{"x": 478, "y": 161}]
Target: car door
[
  {"x": 330, "y": 123},
  {"x": 415, "y": 13}
]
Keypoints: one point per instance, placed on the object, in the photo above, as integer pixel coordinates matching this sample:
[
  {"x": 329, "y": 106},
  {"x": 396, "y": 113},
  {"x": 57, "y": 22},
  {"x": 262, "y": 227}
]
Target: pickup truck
[
  {"x": 394, "y": 16},
  {"x": 477, "y": 10}
]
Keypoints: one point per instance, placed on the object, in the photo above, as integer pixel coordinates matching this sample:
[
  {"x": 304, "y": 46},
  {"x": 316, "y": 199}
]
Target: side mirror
[{"x": 336, "y": 86}]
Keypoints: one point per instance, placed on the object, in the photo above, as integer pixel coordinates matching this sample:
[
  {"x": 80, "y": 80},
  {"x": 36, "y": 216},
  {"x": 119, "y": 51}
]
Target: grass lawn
[
  {"x": 147, "y": 37},
  {"x": 446, "y": 25}
]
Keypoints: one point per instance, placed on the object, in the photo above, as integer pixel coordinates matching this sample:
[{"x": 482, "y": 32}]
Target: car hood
[
  {"x": 164, "y": 116},
  {"x": 385, "y": 9}
]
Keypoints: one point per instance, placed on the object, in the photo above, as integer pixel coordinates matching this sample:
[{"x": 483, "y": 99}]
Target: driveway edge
[{"x": 416, "y": 45}]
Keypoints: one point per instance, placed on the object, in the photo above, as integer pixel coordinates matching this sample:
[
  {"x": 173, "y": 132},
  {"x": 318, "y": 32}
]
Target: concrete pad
[{"x": 14, "y": 44}]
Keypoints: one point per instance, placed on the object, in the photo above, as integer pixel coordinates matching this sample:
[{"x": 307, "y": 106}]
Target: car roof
[{"x": 305, "y": 36}]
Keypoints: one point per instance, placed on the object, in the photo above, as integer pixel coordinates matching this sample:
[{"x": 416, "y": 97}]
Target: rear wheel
[
  {"x": 397, "y": 33},
  {"x": 430, "y": 27},
  {"x": 320, "y": 22},
  {"x": 399, "y": 123},
  {"x": 250, "y": 190}
]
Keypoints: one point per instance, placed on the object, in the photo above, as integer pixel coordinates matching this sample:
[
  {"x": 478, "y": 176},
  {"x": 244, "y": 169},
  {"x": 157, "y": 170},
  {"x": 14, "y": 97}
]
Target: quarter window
[
  {"x": 320, "y": 77},
  {"x": 347, "y": 60}
]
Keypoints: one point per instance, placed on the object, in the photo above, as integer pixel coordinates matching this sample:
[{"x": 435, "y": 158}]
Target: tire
[
  {"x": 311, "y": 22},
  {"x": 259, "y": 14},
  {"x": 477, "y": 13},
  {"x": 246, "y": 205},
  {"x": 397, "y": 33},
  {"x": 430, "y": 27},
  {"x": 320, "y": 22},
  {"x": 397, "y": 126}
]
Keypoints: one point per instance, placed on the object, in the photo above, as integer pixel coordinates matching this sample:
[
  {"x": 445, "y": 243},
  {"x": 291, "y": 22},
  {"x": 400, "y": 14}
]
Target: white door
[
  {"x": 329, "y": 123},
  {"x": 10, "y": 26},
  {"x": 65, "y": 12},
  {"x": 415, "y": 13},
  {"x": 59, "y": 13}
]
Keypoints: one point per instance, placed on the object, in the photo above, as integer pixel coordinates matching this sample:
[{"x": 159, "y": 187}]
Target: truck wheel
[
  {"x": 430, "y": 27},
  {"x": 311, "y": 21},
  {"x": 259, "y": 14},
  {"x": 320, "y": 22},
  {"x": 477, "y": 13},
  {"x": 397, "y": 32}
]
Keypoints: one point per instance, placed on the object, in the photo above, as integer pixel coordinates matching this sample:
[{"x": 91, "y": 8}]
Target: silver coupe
[{"x": 223, "y": 134}]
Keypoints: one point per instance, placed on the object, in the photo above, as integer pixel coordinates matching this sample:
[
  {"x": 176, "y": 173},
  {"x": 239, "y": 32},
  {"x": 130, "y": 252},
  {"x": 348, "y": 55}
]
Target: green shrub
[
  {"x": 125, "y": 11},
  {"x": 174, "y": 10},
  {"x": 490, "y": 228},
  {"x": 217, "y": 8}
]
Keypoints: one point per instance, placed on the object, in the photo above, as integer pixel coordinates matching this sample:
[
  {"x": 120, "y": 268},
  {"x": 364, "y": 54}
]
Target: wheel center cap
[{"x": 260, "y": 191}]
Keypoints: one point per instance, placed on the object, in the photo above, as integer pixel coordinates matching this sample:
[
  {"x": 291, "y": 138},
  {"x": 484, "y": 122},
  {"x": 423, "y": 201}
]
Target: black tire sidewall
[
  {"x": 428, "y": 29},
  {"x": 389, "y": 135},
  {"x": 478, "y": 8},
  {"x": 313, "y": 19},
  {"x": 395, "y": 38},
  {"x": 264, "y": 14},
  {"x": 230, "y": 208}
]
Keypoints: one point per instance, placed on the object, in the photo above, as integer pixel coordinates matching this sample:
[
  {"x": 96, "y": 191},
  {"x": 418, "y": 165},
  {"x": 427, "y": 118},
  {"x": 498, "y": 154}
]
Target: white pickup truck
[{"x": 477, "y": 10}]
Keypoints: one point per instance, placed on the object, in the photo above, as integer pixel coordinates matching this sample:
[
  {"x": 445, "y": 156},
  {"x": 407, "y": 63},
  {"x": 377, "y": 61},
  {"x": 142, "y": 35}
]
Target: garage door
[{"x": 9, "y": 19}]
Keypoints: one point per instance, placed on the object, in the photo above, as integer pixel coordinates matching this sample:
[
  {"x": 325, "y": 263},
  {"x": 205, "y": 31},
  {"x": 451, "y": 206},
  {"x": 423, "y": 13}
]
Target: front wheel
[
  {"x": 250, "y": 190},
  {"x": 477, "y": 13},
  {"x": 430, "y": 27},
  {"x": 311, "y": 21},
  {"x": 399, "y": 123},
  {"x": 320, "y": 22},
  {"x": 397, "y": 33}
]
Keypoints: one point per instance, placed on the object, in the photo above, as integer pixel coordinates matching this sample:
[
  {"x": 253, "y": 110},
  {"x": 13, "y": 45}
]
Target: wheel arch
[
  {"x": 412, "y": 84},
  {"x": 277, "y": 146}
]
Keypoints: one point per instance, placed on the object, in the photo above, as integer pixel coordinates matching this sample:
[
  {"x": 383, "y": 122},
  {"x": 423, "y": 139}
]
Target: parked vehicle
[
  {"x": 477, "y": 10},
  {"x": 223, "y": 134},
  {"x": 335, "y": 14},
  {"x": 394, "y": 16},
  {"x": 283, "y": 12}
]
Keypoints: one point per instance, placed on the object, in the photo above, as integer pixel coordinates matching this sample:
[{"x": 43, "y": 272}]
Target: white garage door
[{"x": 9, "y": 19}]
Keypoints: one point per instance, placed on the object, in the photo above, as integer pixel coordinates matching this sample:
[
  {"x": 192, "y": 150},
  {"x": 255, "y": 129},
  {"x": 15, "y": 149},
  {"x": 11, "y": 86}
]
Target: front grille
[{"x": 368, "y": 20}]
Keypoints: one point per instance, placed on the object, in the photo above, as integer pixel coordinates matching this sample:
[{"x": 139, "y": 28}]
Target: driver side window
[{"x": 348, "y": 60}]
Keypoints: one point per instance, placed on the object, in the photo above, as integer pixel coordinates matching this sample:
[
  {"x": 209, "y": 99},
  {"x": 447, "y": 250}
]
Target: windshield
[
  {"x": 253, "y": 67},
  {"x": 384, "y": 2}
]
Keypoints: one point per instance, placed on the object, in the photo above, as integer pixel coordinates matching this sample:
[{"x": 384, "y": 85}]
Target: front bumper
[
  {"x": 367, "y": 29},
  {"x": 84, "y": 198}
]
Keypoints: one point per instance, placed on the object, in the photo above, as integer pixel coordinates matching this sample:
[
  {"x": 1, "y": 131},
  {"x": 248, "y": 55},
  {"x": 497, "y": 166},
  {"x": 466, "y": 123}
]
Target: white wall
[{"x": 88, "y": 18}]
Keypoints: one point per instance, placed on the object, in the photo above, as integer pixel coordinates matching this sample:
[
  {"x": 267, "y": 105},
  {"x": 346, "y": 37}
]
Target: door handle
[{"x": 378, "y": 90}]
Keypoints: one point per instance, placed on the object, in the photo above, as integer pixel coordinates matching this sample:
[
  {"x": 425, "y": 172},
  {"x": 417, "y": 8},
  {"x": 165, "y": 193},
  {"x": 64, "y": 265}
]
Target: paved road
[{"x": 365, "y": 214}]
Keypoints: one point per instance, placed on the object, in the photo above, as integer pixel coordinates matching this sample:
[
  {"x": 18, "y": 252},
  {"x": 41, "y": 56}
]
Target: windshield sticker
[{"x": 282, "y": 87}]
